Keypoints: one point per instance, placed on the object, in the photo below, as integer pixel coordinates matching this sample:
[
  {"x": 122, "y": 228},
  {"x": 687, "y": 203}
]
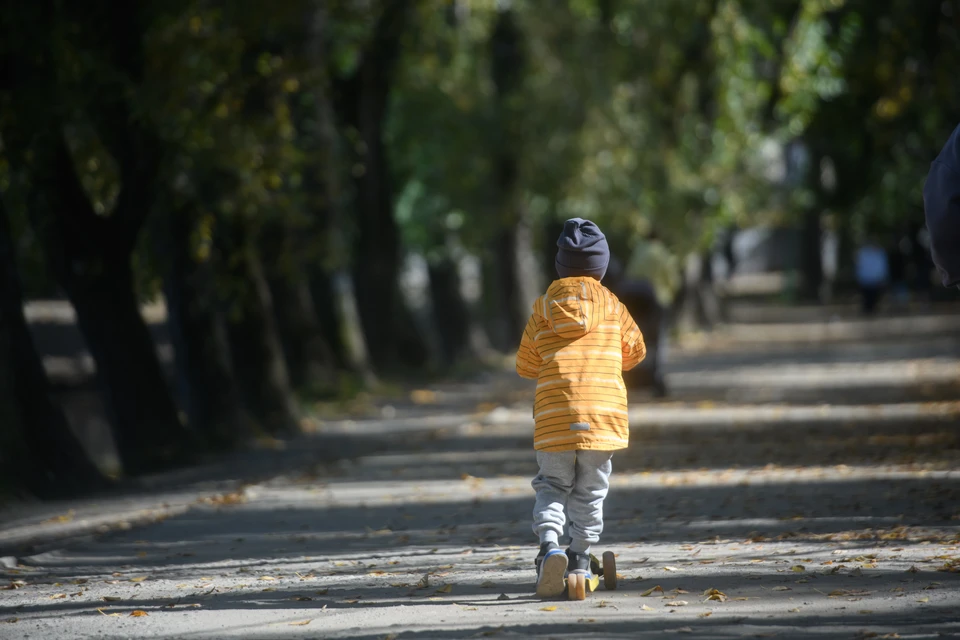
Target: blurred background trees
[{"x": 325, "y": 194}]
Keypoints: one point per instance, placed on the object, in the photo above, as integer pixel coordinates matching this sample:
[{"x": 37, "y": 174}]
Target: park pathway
[{"x": 802, "y": 482}]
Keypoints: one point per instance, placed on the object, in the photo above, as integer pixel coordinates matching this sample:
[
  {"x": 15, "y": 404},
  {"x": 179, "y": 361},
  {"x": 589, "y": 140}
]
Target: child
[{"x": 577, "y": 343}]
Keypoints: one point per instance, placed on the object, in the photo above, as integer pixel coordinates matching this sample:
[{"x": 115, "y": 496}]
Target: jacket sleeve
[
  {"x": 631, "y": 340},
  {"x": 528, "y": 358},
  {"x": 941, "y": 204}
]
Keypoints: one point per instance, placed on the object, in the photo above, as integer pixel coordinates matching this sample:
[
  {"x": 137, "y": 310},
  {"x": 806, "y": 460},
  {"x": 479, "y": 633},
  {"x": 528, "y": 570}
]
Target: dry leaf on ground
[
  {"x": 301, "y": 623},
  {"x": 138, "y": 613},
  {"x": 652, "y": 590},
  {"x": 552, "y": 608}
]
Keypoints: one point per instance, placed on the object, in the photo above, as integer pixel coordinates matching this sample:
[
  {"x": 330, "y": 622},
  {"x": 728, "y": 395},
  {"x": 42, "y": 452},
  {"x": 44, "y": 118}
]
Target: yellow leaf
[
  {"x": 924, "y": 599},
  {"x": 794, "y": 610},
  {"x": 670, "y": 569},
  {"x": 647, "y": 608},
  {"x": 301, "y": 623},
  {"x": 798, "y": 568},
  {"x": 112, "y": 615},
  {"x": 423, "y": 396},
  {"x": 548, "y": 608},
  {"x": 651, "y": 591},
  {"x": 138, "y": 613},
  {"x": 140, "y": 579},
  {"x": 67, "y": 517},
  {"x": 447, "y": 588}
]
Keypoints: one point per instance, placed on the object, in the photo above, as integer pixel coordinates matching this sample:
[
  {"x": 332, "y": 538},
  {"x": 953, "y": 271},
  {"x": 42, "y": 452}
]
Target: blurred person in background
[
  {"x": 941, "y": 204},
  {"x": 647, "y": 287},
  {"x": 873, "y": 274}
]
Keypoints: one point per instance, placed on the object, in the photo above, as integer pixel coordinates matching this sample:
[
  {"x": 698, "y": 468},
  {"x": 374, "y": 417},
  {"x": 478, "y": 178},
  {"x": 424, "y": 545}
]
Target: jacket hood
[{"x": 573, "y": 307}]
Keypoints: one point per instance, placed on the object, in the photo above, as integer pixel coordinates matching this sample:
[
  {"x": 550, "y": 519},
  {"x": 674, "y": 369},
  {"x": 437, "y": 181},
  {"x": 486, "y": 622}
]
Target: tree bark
[
  {"x": 255, "y": 344},
  {"x": 208, "y": 387},
  {"x": 363, "y": 101},
  {"x": 38, "y": 450},
  {"x": 90, "y": 254},
  {"x": 309, "y": 358},
  {"x": 331, "y": 283}
]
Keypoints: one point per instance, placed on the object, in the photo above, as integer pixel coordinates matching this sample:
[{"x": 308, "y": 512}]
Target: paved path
[{"x": 741, "y": 510}]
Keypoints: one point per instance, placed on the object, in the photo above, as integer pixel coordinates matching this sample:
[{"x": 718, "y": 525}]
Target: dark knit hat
[{"x": 582, "y": 250}]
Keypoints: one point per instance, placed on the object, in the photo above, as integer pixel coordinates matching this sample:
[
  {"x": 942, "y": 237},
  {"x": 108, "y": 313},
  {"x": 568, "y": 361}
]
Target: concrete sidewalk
[{"x": 731, "y": 518}]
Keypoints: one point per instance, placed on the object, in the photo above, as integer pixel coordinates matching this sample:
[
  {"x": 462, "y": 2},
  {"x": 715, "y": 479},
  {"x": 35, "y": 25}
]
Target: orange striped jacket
[{"x": 577, "y": 344}]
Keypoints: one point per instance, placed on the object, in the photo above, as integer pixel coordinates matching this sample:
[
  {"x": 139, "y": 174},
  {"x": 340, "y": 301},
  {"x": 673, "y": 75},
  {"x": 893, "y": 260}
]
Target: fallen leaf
[
  {"x": 705, "y": 614},
  {"x": 112, "y": 615},
  {"x": 138, "y": 613},
  {"x": 303, "y": 599},
  {"x": 782, "y": 589},
  {"x": 10, "y": 620},
  {"x": 140, "y": 579},
  {"x": 924, "y": 599},
  {"x": 913, "y": 569},
  {"x": 322, "y": 592},
  {"x": 865, "y": 611},
  {"x": 447, "y": 588},
  {"x": 548, "y": 608},
  {"x": 715, "y": 594},
  {"x": 141, "y": 554},
  {"x": 424, "y": 581},
  {"x": 647, "y": 608},
  {"x": 301, "y": 623},
  {"x": 798, "y": 568},
  {"x": 794, "y": 610},
  {"x": 651, "y": 591},
  {"x": 112, "y": 598},
  {"x": 268, "y": 578},
  {"x": 58, "y": 596},
  {"x": 67, "y": 517},
  {"x": 503, "y": 596},
  {"x": 80, "y": 581},
  {"x": 670, "y": 569},
  {"x": 488, "y": 584},
  {"x": 684, "y": 630},
  {"x": 677, "y": 603}
]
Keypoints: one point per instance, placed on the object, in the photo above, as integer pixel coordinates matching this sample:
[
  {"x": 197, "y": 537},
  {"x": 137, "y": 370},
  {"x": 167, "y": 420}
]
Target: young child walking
[{"x": 577, "y": 343}]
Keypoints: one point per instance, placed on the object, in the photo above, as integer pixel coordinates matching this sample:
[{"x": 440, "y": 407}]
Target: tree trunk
[
  {"x": 451, "y": 315},
  {"x": 255, "y": 344},
  {"x": 811, "y": 256},
  {"x": 210, "y": 392},
  {"x": 37, "y": 448},
  {"x": 307, "y": 354},
  {"x": 363, "y": 107},
  {"x": 91, "y": 254},
  {"x": 309, "y": 358},
  {"x": 331, "y": 283}
]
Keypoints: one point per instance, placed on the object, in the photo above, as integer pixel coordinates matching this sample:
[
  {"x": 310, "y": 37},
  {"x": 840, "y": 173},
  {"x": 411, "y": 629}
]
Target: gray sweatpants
[{"x": 571, "y": 484}]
